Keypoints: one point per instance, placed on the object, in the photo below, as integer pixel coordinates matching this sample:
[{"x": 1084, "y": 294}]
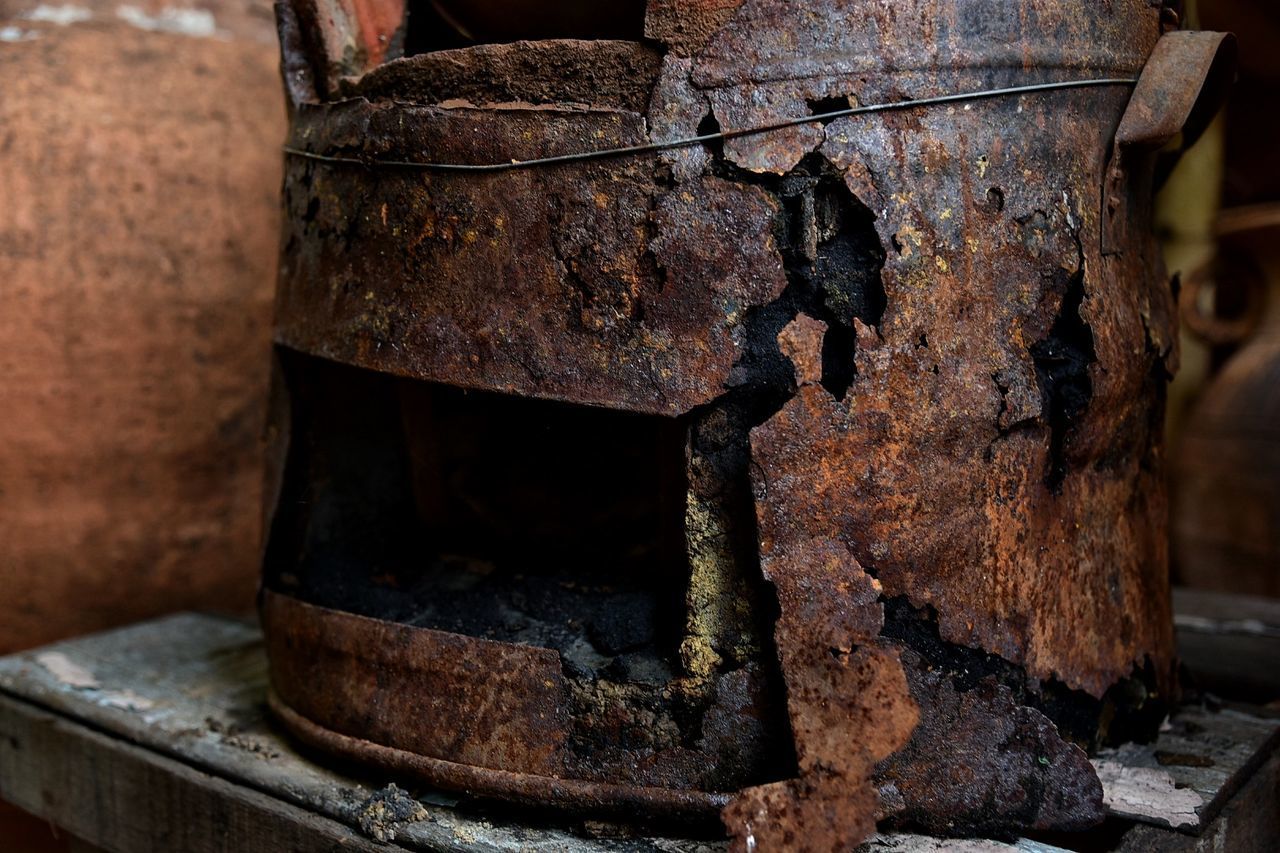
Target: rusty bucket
[{"x": 689, "y": 424}]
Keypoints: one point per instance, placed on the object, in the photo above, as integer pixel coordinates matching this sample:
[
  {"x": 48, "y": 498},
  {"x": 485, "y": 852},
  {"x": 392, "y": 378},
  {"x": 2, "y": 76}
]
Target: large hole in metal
[
  {"x": 530, "y": 522},
  {"x": 511, "y": 519}
]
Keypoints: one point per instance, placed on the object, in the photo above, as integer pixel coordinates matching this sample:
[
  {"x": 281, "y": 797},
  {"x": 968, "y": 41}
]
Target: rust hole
[
  {"x": 522, "y": 521},
  {"x": 499, "y": 517},
  {"x": 1062, "y": 362},
  {"x": 821, "y": 106}
]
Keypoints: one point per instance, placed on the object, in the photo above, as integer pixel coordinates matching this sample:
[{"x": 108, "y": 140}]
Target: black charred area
[
  {"x": 520, "y": 521},
  {"x": 515, "y": 520},
  {"x": 826, "y": 106},
  {"x": 708, "y": 126},
  {"x": 1062, "y": 362},
  {"x": 528, "y": 522},
  {"x": 1130, "y": 711},
  {"x": 833, "y": 258},
  {"x": 847, "y": 268}
]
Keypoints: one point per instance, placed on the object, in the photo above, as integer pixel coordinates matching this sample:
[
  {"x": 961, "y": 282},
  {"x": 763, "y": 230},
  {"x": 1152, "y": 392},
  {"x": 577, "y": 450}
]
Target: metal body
[{"x": 916, "y": 359}]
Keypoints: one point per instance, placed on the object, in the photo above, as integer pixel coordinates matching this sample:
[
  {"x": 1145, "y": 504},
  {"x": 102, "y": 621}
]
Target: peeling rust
[
  {"x": 320, "y": 655},
  {"x": 627, "y": 300},
  {"x": 877, "y": 402}
]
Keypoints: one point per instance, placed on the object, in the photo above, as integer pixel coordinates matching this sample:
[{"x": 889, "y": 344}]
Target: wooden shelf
[{"x": 154, "y": 738}]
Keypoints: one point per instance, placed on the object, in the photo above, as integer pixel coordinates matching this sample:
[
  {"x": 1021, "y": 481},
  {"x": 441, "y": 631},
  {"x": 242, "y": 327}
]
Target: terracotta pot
[
  {"x": 1226, "y": 510},
  {"x": 139, "y": 175}
]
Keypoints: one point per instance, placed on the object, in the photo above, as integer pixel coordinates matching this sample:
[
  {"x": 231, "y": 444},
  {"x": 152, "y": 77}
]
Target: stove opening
[{"x": 511, "y": 519}]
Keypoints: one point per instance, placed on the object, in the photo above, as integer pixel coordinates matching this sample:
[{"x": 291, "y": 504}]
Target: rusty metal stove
[{"x": 813, "y": 477}]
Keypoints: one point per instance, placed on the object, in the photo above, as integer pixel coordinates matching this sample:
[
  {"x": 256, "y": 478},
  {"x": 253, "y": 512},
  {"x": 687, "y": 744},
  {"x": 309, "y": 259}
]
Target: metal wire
[{"x": 710, "y": 137}]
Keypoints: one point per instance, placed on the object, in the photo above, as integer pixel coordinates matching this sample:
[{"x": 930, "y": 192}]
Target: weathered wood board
[
  {"x": 154, "y": 737},
  {"x": 1230, "y": 643},
  {"x": 1185, "y": 778},
  {"x": 125, "y": 797}
]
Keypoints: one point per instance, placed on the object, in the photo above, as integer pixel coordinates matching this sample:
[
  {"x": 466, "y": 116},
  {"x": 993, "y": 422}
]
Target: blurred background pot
[
  {"x": 1227, "y": 498},
  {"x": 139, "y": 170},
  {"x": 1226, "y": 477}
]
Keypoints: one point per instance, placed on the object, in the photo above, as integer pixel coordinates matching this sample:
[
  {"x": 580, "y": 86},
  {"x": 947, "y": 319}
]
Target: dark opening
[
  {"x": 446, "y": 24},
  {"x": 482, "y": 514},
  {"x": 1062, "y": 362}
]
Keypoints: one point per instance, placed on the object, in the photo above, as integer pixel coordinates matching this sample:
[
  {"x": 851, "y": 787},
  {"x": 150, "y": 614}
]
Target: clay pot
[
  {"x": 1226, "y": 511},
  {"x": 140, "y": 175}
]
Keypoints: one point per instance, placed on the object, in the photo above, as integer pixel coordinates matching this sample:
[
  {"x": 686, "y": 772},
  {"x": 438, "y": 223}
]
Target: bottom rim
[{"x": 567, "y": 795}]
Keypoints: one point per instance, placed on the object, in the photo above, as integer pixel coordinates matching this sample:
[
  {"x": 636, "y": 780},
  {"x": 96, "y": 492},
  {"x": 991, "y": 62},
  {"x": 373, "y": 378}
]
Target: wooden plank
[
  {"x": 126, "y": 799},
  {"x": 1249, "y": 824},
  {"x": 1230, "y": 643},
  {"x": 1250, "y": 614},
  {"x": 1184, "y": 778},
  {"x": 908, "y": 843}
]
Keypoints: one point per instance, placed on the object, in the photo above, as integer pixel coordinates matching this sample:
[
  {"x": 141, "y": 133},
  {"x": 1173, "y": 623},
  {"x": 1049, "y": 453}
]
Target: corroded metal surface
[
  {"x": 1171, "y": 97},
  {"x": 498, "y": 711},
  {"x": 568, "y": 795},
  {"x": 1005, "y": 763},
  {"x": 919, "y": 357},
  {"x": 493, "y": 705},
  {"x": 847, "y": 694},
  {"x": 625, "y": 299},
  {"x": 960, "y": 463}
]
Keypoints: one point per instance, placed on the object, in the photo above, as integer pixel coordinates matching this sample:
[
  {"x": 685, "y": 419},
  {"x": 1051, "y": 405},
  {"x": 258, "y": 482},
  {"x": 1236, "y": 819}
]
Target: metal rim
[{"x": 568, "y": 795}]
